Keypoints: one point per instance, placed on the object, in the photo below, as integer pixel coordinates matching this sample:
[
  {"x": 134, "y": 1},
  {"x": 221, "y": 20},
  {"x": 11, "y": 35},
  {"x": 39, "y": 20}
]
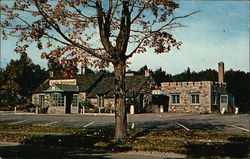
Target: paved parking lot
[{"x": 166, "y": 121}]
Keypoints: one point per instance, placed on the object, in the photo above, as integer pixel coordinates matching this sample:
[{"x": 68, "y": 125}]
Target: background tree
[
  {"x": 19, "y": 79},
  {"x": 96, "y": 33},
  {"x": 160, "y": 76},
  {"x": 238, "y": 85}
]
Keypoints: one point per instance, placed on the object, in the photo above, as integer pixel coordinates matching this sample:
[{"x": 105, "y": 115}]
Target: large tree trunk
[{"x": 120, "y": 105}]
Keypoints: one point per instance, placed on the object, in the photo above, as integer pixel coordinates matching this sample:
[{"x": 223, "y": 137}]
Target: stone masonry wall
[
  {"x": 35, "y": 99},
  {"x": 109, "y": 103},
  {"x": 82, "y": 96},
  {"x": 56, "y": 110},
  {"x": 185, "y": 90}
]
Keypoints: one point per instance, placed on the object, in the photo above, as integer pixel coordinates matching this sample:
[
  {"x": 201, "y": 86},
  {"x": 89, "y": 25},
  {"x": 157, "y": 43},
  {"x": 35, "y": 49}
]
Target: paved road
[{"x": 165, "y": 121}]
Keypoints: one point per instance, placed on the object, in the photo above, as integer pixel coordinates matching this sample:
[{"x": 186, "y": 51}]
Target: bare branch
[
  {"x": 138, "y": 46},
  {"x": 175, "y": 18},
  {"x": 56, "y": 27},
  {"x": 51, "y": 37}
]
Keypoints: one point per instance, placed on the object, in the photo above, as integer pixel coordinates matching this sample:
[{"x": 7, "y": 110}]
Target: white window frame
[
  {"x": 224, "y": 99},
  {"x": 195, "y": 100},
  {"x": 176, "y": 99},
  {"x": 100, "y": 101},
  {"x": 57, "y": 100}
]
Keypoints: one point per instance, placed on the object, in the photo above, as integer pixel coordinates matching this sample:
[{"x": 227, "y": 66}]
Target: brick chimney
[
  {"x": 221, "y": 72},
  {"x": 51, "y": 74},
  {"x": 147, "y": 73}
]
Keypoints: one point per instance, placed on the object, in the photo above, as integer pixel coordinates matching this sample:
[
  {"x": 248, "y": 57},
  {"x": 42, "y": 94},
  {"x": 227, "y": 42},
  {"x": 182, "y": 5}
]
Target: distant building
[{"x": 200, "y": 97}]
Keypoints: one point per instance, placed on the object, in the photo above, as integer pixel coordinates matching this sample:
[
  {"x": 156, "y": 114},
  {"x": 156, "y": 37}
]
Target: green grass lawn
[{"x": 101, "y": 140}]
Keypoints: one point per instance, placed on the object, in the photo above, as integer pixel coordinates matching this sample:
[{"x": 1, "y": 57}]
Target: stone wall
[
  {"x": 82, "y": 96},
  {"x": 185, "y": 90},
  {"x": 35, "y": 99},
  {"x": 56, "y": 110},
  {"x": 109, "y": 103}
]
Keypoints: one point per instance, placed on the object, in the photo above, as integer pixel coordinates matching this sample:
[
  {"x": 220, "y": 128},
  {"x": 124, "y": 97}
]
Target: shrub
[{"x": 43, "y": 110}]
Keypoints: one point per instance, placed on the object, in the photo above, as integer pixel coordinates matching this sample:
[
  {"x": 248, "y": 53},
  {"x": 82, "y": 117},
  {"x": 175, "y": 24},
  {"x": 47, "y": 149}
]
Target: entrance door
[
  {"x": 74, "y": 104},
  {"x": 223, "y": 103}
]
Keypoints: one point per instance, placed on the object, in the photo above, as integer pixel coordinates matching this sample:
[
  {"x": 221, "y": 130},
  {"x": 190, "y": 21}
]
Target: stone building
[
  {"x": 200, "y": 97},
  {"x": 65, "y": 95}
]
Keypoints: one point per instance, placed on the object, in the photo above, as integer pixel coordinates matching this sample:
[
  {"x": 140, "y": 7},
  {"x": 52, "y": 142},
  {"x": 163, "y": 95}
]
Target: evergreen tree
[{"x": 19, "y": 79}]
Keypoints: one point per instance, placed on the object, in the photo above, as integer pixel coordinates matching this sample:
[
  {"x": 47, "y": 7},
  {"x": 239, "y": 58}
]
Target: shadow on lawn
[
  {"x": 237, "y": 148},
  {"x": 92, "y": 144},
  {"x": 31, "y": 151}
]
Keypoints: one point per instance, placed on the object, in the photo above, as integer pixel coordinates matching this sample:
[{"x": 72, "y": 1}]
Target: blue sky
[{"x": 220, "y": 32}]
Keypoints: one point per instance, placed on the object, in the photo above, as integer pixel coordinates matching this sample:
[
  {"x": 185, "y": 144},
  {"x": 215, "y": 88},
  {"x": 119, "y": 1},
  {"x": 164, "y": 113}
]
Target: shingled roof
[
  {"x": 44, "y": 86},
  {"x": 106, "y": 86},
  {"x": 87, "y": 81},
  {"x": 100, "y": 83}
]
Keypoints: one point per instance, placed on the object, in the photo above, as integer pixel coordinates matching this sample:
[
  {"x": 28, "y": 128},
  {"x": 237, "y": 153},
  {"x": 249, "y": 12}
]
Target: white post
[
  {"x": 36, "y": 109},
  {"x": 15, "y": 110},
  {"x": 133, "y": 126},
  {"x": 132, "y": 109},
  {"x": 236, "y": 110},
  {"x": 83, "y": 109},
  {"x": 161, "y": 109},
  {"x": 223, "y": 110}
]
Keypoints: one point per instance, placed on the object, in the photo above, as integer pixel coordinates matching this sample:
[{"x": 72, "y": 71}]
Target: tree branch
[
  {"x": 134, "y": 51},
  {"x": 56, "y": 27}
]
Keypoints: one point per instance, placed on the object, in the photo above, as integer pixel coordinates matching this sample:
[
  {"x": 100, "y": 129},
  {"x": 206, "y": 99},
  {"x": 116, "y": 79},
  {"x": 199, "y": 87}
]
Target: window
[
  {"x": 41, "y": 100},
  {"x": 223, "y": 99},
  {"x": 100, "y": 101},
  {"x": 176, "y": 99},
  {"x": 57, "y": 100},
  {"x": 214, "y": 100},
  {"x": 195, "y": 99}
]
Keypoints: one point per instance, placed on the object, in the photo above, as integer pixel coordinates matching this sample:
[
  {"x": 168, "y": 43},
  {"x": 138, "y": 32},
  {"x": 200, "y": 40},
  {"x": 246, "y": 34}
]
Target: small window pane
[
  {"x": 176, "y": 99},
  {"x": 57, "y": 100},
  {"x": 195, "y": 99},
  {"x": 223, "y": 99}
]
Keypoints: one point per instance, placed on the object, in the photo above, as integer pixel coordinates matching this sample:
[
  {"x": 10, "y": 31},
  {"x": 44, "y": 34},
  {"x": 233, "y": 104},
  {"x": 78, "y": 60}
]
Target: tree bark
[{"x": 120, "y": 105}]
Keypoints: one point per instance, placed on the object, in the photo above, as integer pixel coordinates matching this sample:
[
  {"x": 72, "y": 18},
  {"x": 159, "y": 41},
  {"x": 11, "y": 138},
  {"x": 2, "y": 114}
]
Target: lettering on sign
[{"x": 64, "y": 81}]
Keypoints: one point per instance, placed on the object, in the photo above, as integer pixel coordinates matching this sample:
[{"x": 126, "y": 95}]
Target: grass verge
[{"x": 197, "y": 143}]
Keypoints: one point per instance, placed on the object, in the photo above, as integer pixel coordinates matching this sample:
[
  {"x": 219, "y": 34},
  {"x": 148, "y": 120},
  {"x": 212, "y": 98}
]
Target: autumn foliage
[{"x": 93, "y": 33}]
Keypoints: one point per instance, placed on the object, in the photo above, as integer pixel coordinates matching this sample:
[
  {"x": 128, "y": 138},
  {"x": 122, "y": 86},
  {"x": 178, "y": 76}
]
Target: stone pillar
[
  {"x": 221, "y": 72},
  {"x": 147, "y": 73},
  {"x": 132, "y": 109}
]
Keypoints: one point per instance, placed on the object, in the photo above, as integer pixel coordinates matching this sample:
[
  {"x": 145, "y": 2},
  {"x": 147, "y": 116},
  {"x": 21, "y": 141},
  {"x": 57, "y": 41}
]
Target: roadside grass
[
  {"x": 40, "y": 129},
  {"x": 197, "y": 143}
]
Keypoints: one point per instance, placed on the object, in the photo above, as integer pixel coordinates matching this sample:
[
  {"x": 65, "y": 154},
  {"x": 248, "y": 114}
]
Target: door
[
  {"x": 74, "y": 104},
  {"x": 223, "y": 103}
]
